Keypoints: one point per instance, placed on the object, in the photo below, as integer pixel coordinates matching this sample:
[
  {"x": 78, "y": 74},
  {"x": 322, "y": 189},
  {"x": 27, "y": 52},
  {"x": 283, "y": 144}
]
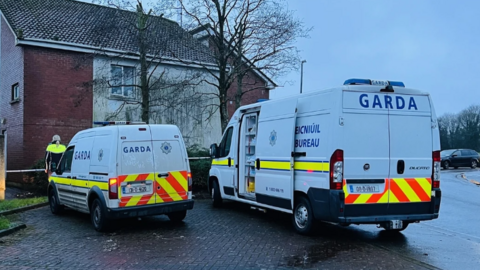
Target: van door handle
[
  {"x": 74, "y": 177},
  {"x": 257, "y": 163},
  {"x": 163, "y": 175},
  {"x": 299, "y": 154},
  {"x": 229, "y": 162},
  {"x": 69, "y": 177},
  {"x": 400, "y": 166}
]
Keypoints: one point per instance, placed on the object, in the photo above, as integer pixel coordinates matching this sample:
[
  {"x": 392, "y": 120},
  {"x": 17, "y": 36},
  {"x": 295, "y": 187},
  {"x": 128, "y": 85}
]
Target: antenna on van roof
[{"x": 108, "y": 123}]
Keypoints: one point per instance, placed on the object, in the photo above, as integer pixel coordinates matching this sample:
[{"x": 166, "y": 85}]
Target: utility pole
[{"x": 301, "y": 76}]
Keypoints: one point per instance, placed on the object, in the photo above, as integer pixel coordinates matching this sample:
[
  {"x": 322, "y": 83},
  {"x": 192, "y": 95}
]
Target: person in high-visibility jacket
[{"x": 54, "y": 153}]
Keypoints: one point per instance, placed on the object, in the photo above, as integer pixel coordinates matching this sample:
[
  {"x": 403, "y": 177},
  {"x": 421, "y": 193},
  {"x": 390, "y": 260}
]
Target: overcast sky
[{"x": 429, "y": 45}]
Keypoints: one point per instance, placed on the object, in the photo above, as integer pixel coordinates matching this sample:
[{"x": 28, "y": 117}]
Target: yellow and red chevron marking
[
  {"x": 365, "y": 198},
  {"x": 172, "y": 188},
  {"x": 397, "y": 190},
  {"x": 404, "y": 190}
]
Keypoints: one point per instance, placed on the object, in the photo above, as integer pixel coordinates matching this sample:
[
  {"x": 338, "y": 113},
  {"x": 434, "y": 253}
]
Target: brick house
[{"x": 59, "y": 57}]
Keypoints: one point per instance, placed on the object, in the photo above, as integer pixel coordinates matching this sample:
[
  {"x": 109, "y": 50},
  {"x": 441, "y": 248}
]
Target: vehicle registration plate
[
  {"x": 396, "y": 224},
  {"x": 135, "y": 189},
  {"x": 364, "y": 188}
]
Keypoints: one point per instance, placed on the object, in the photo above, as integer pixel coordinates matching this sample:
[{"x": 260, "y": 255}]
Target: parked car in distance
[{"x": 459, "y": 158}]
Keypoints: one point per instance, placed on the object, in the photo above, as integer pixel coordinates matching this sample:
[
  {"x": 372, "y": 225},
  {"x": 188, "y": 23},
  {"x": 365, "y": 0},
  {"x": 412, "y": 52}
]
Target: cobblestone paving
[{"x": 233, "y": 237}]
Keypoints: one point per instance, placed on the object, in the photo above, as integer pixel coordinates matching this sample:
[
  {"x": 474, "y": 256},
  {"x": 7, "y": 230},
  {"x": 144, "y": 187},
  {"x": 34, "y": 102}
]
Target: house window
[
  {"x": 15, "y": 92},
  {"x": 123, "y": 80}
]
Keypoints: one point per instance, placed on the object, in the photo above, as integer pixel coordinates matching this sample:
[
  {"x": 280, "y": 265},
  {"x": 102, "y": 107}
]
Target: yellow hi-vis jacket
[{"x": 54, "y": 153}]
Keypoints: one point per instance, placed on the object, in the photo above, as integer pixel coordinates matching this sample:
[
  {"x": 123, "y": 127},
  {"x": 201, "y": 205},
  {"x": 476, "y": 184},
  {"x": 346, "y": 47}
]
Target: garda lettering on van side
[
  {"x": 82, "y": 155},
  {"x": 313, "y": 141},
  {"x": 137, "y": 149},
  {"x": 387, "y": 102}
]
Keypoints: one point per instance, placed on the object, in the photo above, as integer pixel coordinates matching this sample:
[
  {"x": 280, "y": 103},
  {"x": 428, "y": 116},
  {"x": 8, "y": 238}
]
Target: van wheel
[
  {"x": 474, "y": 164},
  {"x": 303, "y": 216},
  {"x": 216, "y": 196},
  {"x": 177, "y": 217},
  {"x": 446, "y": 165},
  {"x": 55, "y": 207},
  {"x": 97, "y": 214}
]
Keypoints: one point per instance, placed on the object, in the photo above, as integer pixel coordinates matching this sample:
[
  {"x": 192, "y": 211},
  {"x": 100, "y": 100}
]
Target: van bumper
[
  {"x": 149, "y": 210},
  {"x": 329, "y": 205}
]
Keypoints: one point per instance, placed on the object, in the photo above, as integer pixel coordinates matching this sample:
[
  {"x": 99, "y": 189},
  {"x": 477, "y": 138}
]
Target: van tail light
[
  {"x": 112, "y": 188},
  {"x": 190, "y": 181},
  {"x": 336, "y": 170},
  {"x": 436, "y": 169}
]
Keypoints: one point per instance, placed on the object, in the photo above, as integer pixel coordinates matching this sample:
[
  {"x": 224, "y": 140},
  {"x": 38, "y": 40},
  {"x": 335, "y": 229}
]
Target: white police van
[
  {"x": 364, "y": 153},
  {"x": 123, "y": 170}
]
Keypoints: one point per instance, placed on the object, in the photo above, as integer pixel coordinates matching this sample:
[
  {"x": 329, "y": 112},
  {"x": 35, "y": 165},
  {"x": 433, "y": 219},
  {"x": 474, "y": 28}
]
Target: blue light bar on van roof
[
  {"x": 373, "y": 82},
  {"x": 106, "y": 123}
]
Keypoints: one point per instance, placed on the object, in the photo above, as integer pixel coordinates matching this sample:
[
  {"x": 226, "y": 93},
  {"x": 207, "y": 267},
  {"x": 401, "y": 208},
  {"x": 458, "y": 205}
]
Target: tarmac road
[
  {"x": 450, "y": 242},
  {"x": 235, "y": 237}
]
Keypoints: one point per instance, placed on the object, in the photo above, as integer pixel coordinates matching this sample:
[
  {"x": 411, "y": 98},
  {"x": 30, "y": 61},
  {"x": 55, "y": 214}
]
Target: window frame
[
  {"x": 15, "y": 94},
  {"x": 222, "y": 147},
  {"x": 122, "y": 85}
]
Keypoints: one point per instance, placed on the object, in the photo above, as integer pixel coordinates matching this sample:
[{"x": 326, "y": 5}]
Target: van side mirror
[{"x": 213, "y": 150}]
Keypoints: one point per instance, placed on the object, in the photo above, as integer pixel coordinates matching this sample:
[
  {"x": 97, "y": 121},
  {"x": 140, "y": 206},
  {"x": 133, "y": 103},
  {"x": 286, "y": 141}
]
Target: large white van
[
  {"x": 363, "y": 153},
  {"x": 122, "y": 171}
]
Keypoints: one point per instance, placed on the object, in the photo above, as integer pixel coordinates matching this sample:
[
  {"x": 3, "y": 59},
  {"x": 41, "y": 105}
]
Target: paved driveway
[{"x": 233, "y": 237}]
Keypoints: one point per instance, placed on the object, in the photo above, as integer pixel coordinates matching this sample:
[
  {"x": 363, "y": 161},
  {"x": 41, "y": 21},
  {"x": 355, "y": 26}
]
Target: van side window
[
  {"x": 224, "y": 148},
  {"x": 457, "y": 153},
  {"x": 67, "y": 159},
  {"x": 466, "y": 153}
]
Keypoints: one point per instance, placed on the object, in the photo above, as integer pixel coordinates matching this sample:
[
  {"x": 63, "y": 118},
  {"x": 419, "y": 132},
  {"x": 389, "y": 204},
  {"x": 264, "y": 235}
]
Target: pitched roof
[{"x": 70, "y": 21}]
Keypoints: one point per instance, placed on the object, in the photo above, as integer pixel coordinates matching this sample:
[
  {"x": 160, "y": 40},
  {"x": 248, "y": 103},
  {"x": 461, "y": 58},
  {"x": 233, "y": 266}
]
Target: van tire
[
  {"x": 216, "y": 195},
  {"x": 98, "y": 216},
  {"x": 177, "y": 217},
  {"x": 302, "y": 217},
  {"x": 55, "y": 207}
]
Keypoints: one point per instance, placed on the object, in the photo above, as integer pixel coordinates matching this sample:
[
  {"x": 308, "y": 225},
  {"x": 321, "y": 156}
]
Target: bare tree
[
  {"x": 245, "y": 35},
  {"x": 461, "y": 130}
]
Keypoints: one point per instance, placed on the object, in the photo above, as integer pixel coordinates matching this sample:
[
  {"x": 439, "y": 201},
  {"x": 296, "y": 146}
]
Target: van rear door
[
  {"x": 171, "y": 164},
  {"x": 411, "y": 148},
  {"x": 366, "y": 152},
  {"x": 136, "y": 170},
  {"x": 274, "y": 162}
]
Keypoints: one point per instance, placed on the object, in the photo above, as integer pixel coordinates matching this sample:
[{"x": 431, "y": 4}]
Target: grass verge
[
  {"x": 18, "y": 203},
  {"x": 4, "y": 223}
]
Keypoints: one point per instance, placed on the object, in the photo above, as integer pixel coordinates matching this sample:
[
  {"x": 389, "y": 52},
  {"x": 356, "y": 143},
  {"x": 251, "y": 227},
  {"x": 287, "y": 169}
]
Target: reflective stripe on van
[
  {"x": 172, "y": 188},
  {"x": 397, "y": 190}
]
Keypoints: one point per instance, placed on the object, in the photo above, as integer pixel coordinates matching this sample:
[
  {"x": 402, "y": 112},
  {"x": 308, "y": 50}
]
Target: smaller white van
[{"x": 123, "y": 170}]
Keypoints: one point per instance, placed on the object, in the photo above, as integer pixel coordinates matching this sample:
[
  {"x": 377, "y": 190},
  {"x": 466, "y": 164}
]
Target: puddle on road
[{"x": 313, "y": 254}]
